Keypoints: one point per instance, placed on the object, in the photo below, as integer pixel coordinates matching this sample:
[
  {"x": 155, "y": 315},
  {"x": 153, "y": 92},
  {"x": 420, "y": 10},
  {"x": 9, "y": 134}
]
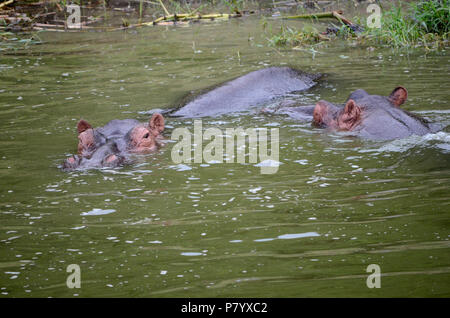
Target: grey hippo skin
[
  {"x": 372, "y": 117},
  {"x": 252, "y": 89},
  {"x": 112, "y": 144}
]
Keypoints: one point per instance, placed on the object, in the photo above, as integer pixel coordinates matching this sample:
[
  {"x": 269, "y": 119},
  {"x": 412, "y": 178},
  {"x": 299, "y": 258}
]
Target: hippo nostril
[
  {"x": 71, "y": 163},
  {"x": 112, "y": 161}
]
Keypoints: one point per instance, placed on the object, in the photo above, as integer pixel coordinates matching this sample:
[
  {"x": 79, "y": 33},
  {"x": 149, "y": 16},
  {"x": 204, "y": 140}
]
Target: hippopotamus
[
  {"x": 112, "y": 144},
  {"x": 252, "y": 89},
  {"x": 369, "y": 116}
]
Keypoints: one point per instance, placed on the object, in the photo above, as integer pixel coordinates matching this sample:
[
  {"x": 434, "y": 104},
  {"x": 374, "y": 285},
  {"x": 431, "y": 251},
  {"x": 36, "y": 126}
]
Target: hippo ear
[
  {"x": 83, "y": 125},
  {"x": 398, "y": 96},
  {"x": 157, "y": 124},
  {"x": 319, "y": 114},
  {"x": 352, "y": 111}
]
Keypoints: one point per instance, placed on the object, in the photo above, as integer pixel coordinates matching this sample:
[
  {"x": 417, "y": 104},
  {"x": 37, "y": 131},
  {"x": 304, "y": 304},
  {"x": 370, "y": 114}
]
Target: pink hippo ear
[
  {"x": 352, "y": 110},
  {"x": 83, "y": 126},
  {"x": 86, "y": 140},
  {"x": 350, "y": 116},
  {"x": 320, "y": 114},
  {"x": 398, "y": 96},
  {"x": 156, "y": 124}
]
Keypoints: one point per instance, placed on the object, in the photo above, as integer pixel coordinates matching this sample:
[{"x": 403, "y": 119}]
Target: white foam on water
[
  {"x": 289, "y": 236},
  {"x": 181, "y": 167},
  {"x": 298, "y": 235},
  {"x": 303, "y": 162},
  {"x": 269, "y": 163},
  {"x": 254, "y": 190},
  {"x": 99, "y": 212},
  {"x": 191, "y": 254},
  {"x": 263, "y": 240},
  {"x": 440, "y": 140}
]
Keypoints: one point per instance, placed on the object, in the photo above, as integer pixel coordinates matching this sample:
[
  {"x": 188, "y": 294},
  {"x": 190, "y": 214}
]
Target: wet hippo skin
[
  {"x": 252, "y": 89},
  {"x": 111, "y": 145},
  {"x": 368, "y": 116}
]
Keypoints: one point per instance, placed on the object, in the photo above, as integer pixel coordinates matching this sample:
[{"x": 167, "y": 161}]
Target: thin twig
[
  {"x": 6, "y": 3},
  {"x": 164, "y": 8}
]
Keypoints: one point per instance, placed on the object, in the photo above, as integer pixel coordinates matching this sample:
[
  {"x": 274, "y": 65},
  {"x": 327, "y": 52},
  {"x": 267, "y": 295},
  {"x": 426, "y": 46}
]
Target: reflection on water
[{"x": 156, "y": 228}]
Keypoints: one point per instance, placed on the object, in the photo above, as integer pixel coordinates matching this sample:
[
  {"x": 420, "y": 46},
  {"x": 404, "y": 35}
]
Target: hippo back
[{"x": 250, "y": 90}]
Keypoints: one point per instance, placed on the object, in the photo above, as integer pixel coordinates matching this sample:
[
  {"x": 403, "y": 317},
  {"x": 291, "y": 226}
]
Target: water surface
[{"x": 158, "y": 229}]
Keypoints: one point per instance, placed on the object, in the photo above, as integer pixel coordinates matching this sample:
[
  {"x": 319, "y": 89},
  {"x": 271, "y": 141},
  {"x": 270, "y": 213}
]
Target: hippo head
[
  {"x": 327, "y": 115},
  {"x": 108, "y": 146},
  {"x": 372, "y": 116}
]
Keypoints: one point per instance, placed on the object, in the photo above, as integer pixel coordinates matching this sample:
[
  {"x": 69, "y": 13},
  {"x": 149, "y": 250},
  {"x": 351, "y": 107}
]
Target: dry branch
[
  {"x": 332, "y": 14},
  {"x": 6, "y": 3},
  {"x": 315, "y": 15}
]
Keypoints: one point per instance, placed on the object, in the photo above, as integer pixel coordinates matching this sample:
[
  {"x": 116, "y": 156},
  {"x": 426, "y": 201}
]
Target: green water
[{"x": 336, "y": 204}]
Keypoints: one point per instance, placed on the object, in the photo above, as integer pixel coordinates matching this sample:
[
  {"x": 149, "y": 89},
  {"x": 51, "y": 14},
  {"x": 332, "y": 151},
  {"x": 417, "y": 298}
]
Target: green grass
[
  {"x": 420, "y": 24},
  {"x": 290, "y": 37},
  {"x": 433, "y": 16}
]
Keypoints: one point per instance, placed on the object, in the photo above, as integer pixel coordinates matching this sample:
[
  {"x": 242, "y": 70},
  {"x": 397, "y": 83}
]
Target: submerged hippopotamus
[
  {"x": 111, "y": 145},
  {"x": 368, "y": 116},
  {"x": 252, "y": 89}
]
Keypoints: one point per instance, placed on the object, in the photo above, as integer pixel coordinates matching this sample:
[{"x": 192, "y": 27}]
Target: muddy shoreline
[{"x": 26, "y": 16}]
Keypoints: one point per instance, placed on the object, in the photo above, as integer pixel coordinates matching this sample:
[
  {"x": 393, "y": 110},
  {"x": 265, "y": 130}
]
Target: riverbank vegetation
[
  {"x": 422, "y": 23},
  {"x": 416, "y": 24},
  {"x": 426, "y": 23}
]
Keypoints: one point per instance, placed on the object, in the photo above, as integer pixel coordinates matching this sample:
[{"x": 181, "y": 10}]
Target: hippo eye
[{"x": 146, "y": 135}]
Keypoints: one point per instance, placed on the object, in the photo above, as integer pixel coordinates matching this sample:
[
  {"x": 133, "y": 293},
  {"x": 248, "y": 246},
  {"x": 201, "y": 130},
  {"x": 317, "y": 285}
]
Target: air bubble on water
[
  {"x": 268, "y": 163},
  {"x": 254, "y": 190},
  {"x": 298, "y": 235},
  {"x": 191, "y": 254},
  {"x": 99, "y": 212},
  {"x": 78, "y": 227},
  {"x": 181, "y": 167},
  {"x": 264, "y": 240}
]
